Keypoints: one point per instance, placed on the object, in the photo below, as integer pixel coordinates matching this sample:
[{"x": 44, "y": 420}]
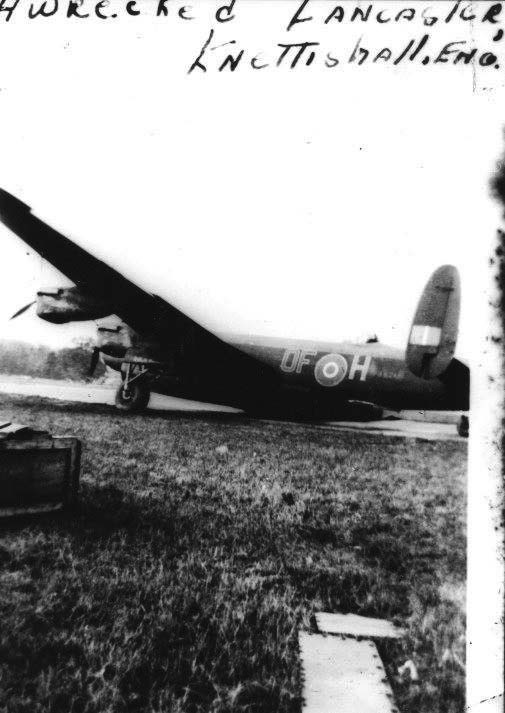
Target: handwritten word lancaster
[{"x": 376, "y": 12}]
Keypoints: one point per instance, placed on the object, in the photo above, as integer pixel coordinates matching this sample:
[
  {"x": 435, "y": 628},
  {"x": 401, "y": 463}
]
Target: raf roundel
[{"x": 330, "y": 370}]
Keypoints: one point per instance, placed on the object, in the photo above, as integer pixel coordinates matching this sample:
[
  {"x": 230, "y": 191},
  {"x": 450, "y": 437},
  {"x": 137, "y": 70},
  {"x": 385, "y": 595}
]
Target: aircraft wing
[{"x": 147, "y": 314}]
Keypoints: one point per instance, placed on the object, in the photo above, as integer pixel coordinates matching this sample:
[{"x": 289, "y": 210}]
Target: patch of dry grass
[{"x": 182, "y": 579}]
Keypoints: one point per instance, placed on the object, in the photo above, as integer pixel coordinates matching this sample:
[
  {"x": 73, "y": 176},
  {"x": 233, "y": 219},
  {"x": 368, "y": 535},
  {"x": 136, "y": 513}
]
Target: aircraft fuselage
[{"x": 319, "y": 378}]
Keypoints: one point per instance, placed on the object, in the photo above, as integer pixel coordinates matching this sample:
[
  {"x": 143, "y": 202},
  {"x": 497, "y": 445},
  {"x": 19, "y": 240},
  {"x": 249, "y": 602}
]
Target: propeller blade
[
  {"x": 95, "y": 354},
  {"x": 23, "y": 309}
]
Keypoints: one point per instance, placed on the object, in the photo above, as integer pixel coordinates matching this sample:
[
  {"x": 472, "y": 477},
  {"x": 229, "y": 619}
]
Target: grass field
[{"x": 181, "y": 581}]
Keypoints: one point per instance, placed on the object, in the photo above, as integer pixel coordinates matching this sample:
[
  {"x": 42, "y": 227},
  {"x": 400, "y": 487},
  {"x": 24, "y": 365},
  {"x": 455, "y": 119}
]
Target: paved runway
[
  {"x": 410, "y": 427},
  {"x": 96, "y": 394}
]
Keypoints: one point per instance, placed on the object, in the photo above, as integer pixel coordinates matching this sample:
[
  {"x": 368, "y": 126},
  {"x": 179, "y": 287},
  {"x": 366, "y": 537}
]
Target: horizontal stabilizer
[{"x": 434, "y": 331}]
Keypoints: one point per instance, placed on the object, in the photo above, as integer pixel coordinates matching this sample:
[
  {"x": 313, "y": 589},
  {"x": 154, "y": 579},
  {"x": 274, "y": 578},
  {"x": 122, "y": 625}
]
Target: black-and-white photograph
[{"x": 251, "y": 384}]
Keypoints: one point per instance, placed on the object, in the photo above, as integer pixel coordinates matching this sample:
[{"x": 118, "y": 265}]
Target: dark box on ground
[{"x": 38, "y": 472}]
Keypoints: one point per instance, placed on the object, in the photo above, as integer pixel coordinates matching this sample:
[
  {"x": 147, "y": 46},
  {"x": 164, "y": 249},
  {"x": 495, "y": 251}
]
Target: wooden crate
[{"x": 38, "y": 473}]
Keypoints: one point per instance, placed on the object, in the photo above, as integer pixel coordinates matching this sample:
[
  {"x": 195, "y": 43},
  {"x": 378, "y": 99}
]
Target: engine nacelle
[
  {"x": 119, "y": 344},
  {"x": 115, "y": 339},
  {"x": 69, "y": 304}
]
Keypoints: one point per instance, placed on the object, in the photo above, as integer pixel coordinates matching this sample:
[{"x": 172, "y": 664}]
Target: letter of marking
[
  {"x": 362, "y": 368},
  {"x": 302, "y": 359},
  {"x": 290, "y": 360}
]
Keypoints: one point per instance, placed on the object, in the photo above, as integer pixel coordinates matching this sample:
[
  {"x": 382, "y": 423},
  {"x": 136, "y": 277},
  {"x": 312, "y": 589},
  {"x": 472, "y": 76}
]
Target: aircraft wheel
[
  {"x": 463, "y": 426},
  {"x": 134, "y": 397}
]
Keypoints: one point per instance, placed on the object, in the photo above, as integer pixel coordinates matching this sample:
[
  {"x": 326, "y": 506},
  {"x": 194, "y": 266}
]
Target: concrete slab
[
  {"x": 354, "y": 625},
  {"x": 343, "y": 676}
]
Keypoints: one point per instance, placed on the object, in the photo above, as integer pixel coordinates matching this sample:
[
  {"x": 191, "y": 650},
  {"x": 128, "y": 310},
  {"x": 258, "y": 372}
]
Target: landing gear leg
[{"x": 134, "y": 392}]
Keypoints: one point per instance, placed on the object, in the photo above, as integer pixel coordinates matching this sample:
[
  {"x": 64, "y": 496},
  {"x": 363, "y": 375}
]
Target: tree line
[{"x": 41, "y": 361}]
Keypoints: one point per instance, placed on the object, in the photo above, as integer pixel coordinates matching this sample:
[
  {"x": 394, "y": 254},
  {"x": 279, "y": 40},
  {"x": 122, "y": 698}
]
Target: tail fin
[{"x": 434, "y": 331}]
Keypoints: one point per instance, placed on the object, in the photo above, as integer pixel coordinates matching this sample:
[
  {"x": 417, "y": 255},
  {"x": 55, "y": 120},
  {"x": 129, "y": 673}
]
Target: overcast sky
[{"x": 311, "y": 203}]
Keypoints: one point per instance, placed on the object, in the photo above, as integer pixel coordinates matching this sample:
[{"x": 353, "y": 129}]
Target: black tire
[
  {"x": 133, "y": 399},
  {"x": 463, "y": 426}
]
